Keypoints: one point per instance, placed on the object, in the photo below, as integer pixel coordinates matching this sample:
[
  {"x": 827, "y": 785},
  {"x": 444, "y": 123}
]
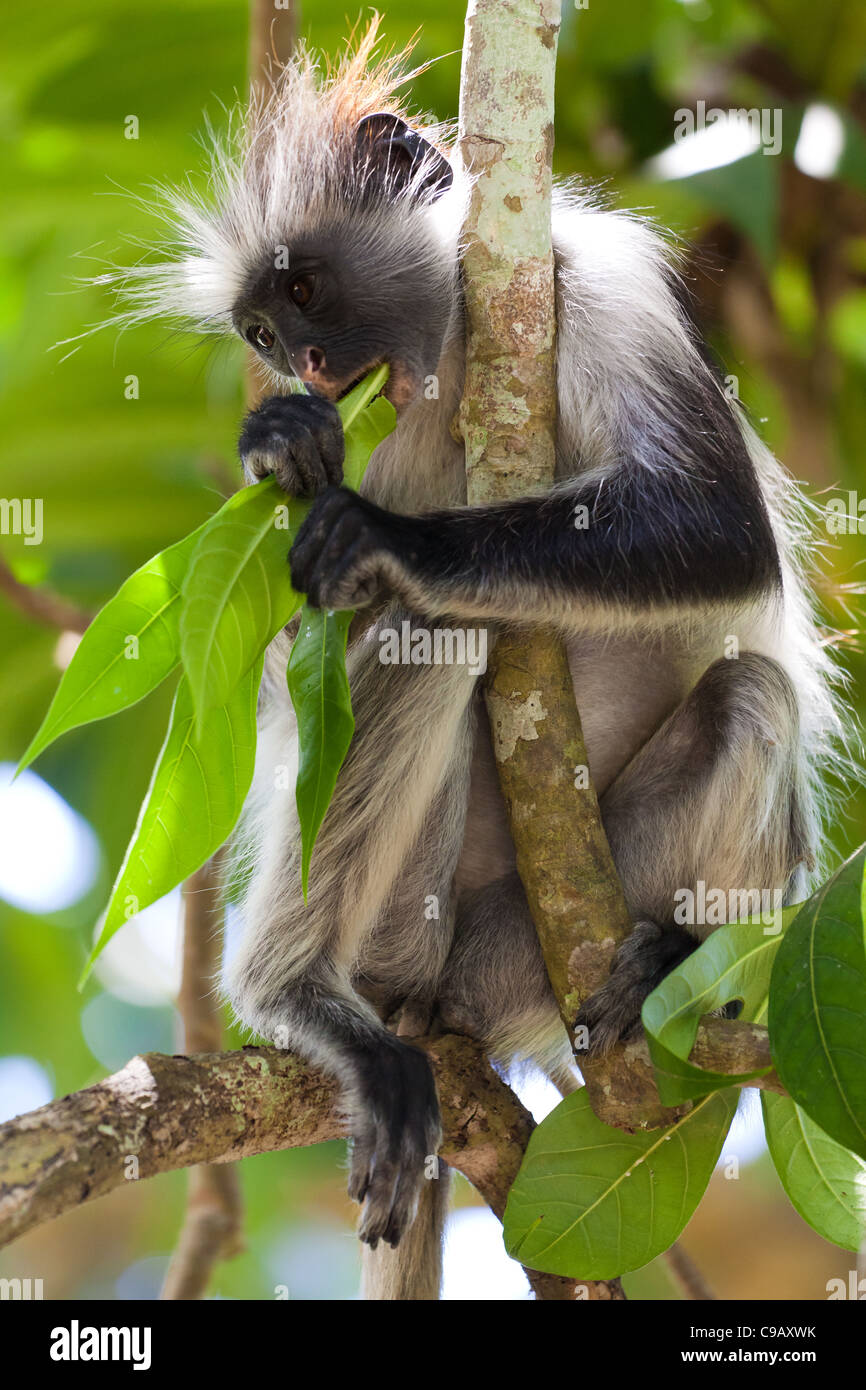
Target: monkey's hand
[
  {"x": 349, "y": 553},
  {"x": 299, "y": 439},
  {"x": 612, "y": 1014},
  {"x": 396, "y": 1133}
]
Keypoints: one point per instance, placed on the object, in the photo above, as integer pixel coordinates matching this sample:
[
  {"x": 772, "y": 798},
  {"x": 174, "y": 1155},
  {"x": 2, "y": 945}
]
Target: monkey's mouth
[
  {"x": 356, "y": 381},
  {"x": 400, "y": 389}
]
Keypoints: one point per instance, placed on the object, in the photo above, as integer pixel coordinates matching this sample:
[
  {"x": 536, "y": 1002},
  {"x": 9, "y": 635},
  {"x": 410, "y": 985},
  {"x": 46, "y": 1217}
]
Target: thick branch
[
  {"x": 508, "y": 418},
  {"x": 161, "y": 1113},
  {"x": 508, "y": 410}
]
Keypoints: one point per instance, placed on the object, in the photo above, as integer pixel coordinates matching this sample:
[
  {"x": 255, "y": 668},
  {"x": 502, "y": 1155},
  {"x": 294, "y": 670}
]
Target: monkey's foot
[
  {"x": 396, "y": 1136},
  {"x": 612, "y": 1014}
]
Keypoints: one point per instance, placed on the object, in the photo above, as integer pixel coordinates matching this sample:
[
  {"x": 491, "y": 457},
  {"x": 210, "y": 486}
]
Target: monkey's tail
[{"x": 414, "y": 1270}]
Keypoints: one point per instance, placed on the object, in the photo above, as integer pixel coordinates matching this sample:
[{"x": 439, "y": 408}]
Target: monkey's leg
[
  {"x": 495, "y": 986},
  {"x": 715, "y": 797},
  {"x": 291, "y": 978}
]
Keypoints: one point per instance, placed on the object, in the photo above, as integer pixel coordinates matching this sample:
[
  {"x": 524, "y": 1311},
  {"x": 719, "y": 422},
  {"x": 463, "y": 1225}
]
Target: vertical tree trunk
[{"x": 508, "y": 419}]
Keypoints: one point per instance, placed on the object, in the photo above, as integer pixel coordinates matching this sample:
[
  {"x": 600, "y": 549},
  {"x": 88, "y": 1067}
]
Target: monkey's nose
[{"x": 309, "y": 363}]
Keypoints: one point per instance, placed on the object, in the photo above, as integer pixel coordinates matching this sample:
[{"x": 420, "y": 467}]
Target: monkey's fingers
[
  {"x": 299, "y": 440},
  {"x": 341, "y": 555},
  {"x": 361, "y": 1164},
  {"x": 378, "y": 1217}
]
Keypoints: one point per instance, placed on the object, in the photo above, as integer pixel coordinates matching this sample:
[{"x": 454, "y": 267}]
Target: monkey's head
[
  {"x": 362, "y": 276},
  {"x": 327, "y": 238}
]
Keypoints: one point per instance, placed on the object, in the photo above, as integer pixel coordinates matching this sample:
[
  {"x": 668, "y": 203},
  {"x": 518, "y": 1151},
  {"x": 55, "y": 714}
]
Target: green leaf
[
  {"x": 746, "y": 194},
  {"x": 238, "y": 594},
  {"x": 818, "y": 1007},
  {"x": 364, "y": 433},
  {"x": 825, "y": 1182},
  {"x": 319, "y": 687},
  {"x": 592, "y": 1202},
  {"x": 130, "y": 647},
  {"x": 192, "y": 805},
  {"x": 735, "y": 962},
  {"x": 317, "y": 679}
]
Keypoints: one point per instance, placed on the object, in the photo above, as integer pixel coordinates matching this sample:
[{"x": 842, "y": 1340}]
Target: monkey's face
[
  {"x": 329, "y": 310},
  {"x": 367, "y": 283}
]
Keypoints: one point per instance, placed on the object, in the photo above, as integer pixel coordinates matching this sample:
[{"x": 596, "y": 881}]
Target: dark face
[
  {"x": 325, "y": 312},
  {"x": 331, "y": 308}
]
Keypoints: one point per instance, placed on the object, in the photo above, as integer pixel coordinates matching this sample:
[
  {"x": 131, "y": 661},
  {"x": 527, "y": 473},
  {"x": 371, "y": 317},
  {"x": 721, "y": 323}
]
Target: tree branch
[
  {"x": 160, "y": 1113},
  {"x": 212, "y": 1228},
  {"x": 687, "y": 1275},
  {"x": 41, "y": 605},
  {"x": 508, "y": 417}
]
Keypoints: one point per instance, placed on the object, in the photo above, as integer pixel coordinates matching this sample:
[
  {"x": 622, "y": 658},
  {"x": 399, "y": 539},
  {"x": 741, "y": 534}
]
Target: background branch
[
  {"x": 41, "y": 605},
  {"x": 212, "y": 1228},
  {"x": 686, "y": 1274}
]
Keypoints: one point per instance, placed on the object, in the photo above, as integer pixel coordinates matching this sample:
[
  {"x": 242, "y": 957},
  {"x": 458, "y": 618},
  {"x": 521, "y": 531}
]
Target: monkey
[{"x": 669, "y": 554}]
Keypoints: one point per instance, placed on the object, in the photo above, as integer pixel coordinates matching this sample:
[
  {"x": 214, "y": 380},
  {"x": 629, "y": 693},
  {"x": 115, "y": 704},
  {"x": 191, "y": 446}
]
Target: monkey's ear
[{"x": 400, "y": 156}]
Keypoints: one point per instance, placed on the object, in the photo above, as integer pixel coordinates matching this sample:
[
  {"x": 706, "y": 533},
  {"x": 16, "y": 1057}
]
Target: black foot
[
  {"x": 299, "y": 439},
  {"x": 612, "y": 1014},
  {"x": 396, "y": 1133}
]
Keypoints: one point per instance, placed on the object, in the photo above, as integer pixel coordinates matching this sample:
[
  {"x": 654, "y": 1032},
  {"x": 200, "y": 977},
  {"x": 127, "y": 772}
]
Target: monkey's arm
[{"x": 604, "y": 547}]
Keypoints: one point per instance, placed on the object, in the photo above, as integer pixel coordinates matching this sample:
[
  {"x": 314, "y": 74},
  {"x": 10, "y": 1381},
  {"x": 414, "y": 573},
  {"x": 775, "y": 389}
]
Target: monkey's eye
[
  {"x": 261, "y": 337},
  {"x": 301, "y": 290}
]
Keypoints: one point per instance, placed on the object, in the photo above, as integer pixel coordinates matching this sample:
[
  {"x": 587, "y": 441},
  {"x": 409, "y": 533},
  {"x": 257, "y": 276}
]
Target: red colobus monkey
[{"x": 332, "y": 245}]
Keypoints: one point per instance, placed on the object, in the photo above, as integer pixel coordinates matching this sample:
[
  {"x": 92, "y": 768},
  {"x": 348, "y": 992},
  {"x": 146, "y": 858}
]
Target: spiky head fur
[{"x": 288, "y": 167}]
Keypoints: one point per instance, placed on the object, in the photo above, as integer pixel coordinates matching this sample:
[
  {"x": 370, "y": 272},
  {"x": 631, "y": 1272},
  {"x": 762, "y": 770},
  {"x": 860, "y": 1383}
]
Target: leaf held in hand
[
  {"x": 319, "y": 687},
  {"x": 318, "y": 683},
  {"x": 237, "y": 594}
]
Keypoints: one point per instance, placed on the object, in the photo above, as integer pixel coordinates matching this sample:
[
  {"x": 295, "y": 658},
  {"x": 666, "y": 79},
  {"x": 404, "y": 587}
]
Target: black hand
[
  {"x": 349, "y": 552},
  {"x": 299, "y": 439}
]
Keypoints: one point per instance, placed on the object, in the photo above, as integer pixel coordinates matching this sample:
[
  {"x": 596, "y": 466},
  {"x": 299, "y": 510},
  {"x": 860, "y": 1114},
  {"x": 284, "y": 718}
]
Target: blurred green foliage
[{"x": 779, "y": 276}]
